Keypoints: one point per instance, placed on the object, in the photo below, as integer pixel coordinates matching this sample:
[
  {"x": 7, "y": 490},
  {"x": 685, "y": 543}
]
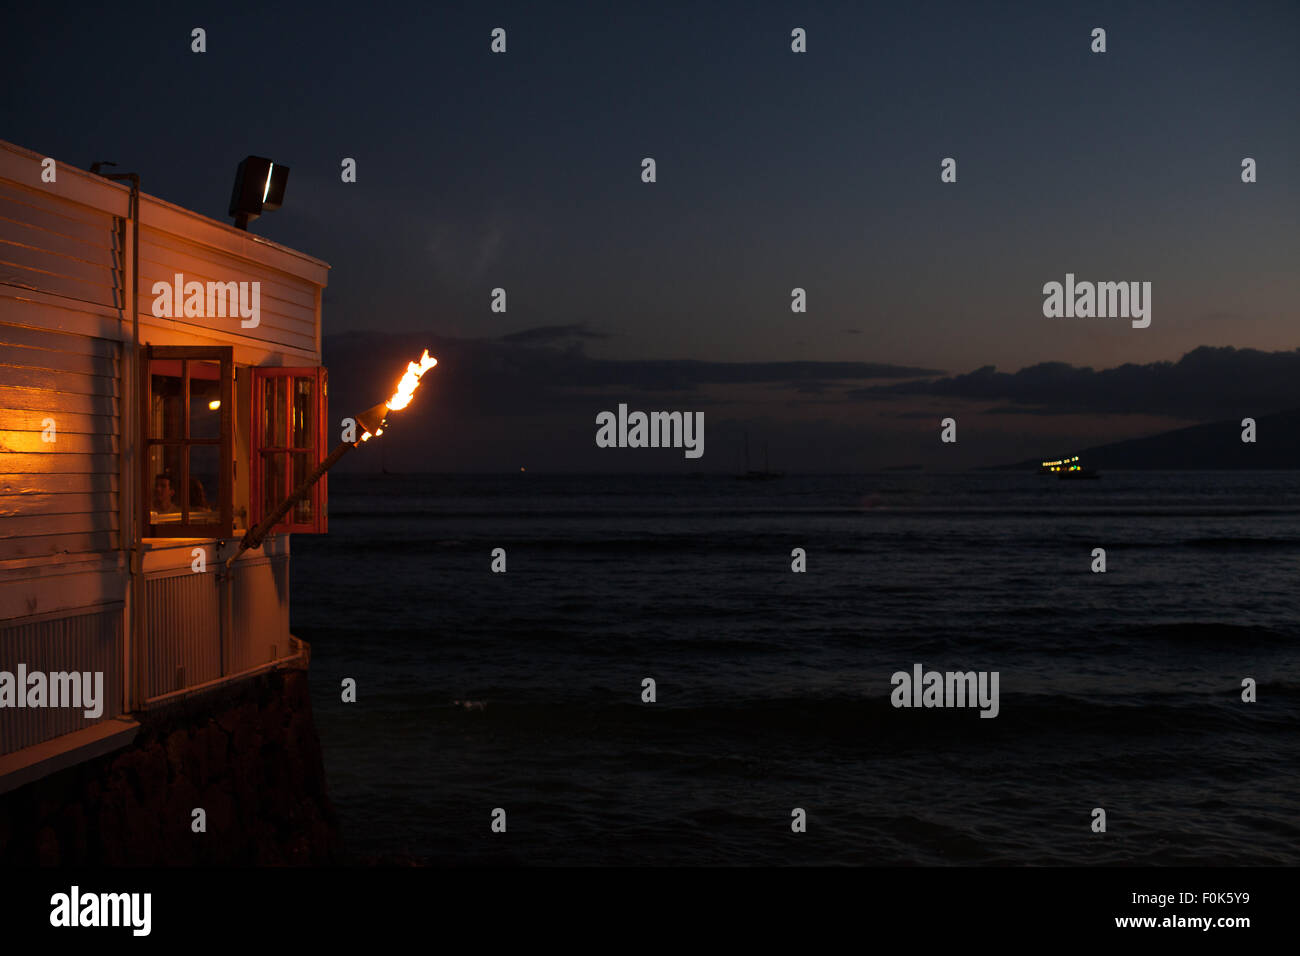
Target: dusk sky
[{"x": 775, "y": 170}]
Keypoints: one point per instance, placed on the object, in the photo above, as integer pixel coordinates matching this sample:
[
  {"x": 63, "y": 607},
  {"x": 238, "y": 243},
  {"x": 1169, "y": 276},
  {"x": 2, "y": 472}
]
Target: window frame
[
  {"x": 257, "y": 448},
  {"x": 224, "y": 356}
]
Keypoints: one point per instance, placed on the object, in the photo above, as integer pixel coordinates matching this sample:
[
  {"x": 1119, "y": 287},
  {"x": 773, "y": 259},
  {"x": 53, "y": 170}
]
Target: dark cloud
[
  {"x": 1205, "y": 383},
  {"x": 689, "y": 374},
  {"x": 535, "y": 393},
  {"x": 551, "y": 334},
  {"x": 513, "y": 365},
  {"x": 1020, "y": 410},
  {"x": 809, "y": 387}
]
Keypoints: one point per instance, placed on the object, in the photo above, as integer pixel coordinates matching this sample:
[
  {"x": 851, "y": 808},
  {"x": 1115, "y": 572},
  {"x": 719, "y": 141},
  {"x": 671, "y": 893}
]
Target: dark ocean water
[{"x": 1118, "y": 690}]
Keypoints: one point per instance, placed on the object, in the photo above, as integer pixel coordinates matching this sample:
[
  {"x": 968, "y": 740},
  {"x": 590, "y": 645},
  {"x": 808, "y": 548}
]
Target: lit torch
[{"x": 371, "y": 422}]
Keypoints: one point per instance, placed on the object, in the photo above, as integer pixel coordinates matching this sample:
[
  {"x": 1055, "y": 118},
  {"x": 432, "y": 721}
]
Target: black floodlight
[{"x": 259, "y": 188}]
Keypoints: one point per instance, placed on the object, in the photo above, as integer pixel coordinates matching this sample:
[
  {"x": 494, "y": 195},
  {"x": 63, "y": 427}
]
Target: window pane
[
  {"x": 304, "y": 414},
  {"x": 164, "y": 480},
  {"x": 166, "y": 400},
  {"x": 273, "y": 413},
  {"x": 302, "y": 466},
  {"x": 273, "y": 490},
  {"x": 205, "y": 400},
  {"x": 205, "y": 484}
]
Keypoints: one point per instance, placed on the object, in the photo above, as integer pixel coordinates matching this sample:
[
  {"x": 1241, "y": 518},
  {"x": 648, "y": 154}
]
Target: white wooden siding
[
  {"x": 60, "y": 497},
  {"x": 287, "y": 307},
  {"x": 88, "y": 641},
  {"x": 51, "y": 244}
]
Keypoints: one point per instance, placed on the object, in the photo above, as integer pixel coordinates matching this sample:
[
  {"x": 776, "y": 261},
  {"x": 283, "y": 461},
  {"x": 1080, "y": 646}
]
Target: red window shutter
[{"x": 288, "y": 435}]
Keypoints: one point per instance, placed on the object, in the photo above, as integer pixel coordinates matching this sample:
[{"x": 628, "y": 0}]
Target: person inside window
[
  {"x": 198, "y": 500},
  {"x": 163, "y": 500}
]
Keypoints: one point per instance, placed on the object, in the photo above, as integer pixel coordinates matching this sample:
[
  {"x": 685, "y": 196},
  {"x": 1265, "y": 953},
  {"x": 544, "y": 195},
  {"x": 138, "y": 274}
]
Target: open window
[
  {"x": 186, "y": 480},
  {"x": 288, "y": 442}
]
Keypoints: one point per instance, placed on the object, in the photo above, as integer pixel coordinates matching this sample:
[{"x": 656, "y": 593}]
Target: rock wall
[{"x": 248, "y": 754}]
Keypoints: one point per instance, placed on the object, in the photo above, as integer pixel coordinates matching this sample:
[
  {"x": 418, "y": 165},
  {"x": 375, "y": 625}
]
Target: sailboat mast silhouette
[{"x": 751, "y": 474}]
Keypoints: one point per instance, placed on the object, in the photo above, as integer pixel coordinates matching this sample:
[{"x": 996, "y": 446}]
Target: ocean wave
[
  {"x": 1251, "y": 543},
  {"x": 542, "y": 511},
  {"x": 874, "y": 724},
  {"x": 1215, "y": 633}
]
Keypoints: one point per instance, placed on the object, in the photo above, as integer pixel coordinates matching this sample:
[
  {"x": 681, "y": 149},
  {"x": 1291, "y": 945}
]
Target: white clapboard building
[{"x": 135, "y": 450}]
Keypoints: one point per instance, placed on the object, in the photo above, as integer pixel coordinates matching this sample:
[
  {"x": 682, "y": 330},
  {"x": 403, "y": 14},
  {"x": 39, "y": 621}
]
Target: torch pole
[
  {"x": 370, "y": 421},
  {"x": 254, "y": 536}
]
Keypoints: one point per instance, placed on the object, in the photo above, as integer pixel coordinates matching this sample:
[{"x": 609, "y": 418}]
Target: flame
[{"x": 410, "y": 382}]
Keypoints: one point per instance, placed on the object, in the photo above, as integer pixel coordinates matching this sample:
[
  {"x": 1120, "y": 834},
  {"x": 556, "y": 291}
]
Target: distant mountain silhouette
[{"x": 1211, "y": 446}]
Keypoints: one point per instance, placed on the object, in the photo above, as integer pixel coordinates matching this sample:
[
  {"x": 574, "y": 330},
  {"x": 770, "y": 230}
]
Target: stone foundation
[{"x": 246, "y": 753}]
